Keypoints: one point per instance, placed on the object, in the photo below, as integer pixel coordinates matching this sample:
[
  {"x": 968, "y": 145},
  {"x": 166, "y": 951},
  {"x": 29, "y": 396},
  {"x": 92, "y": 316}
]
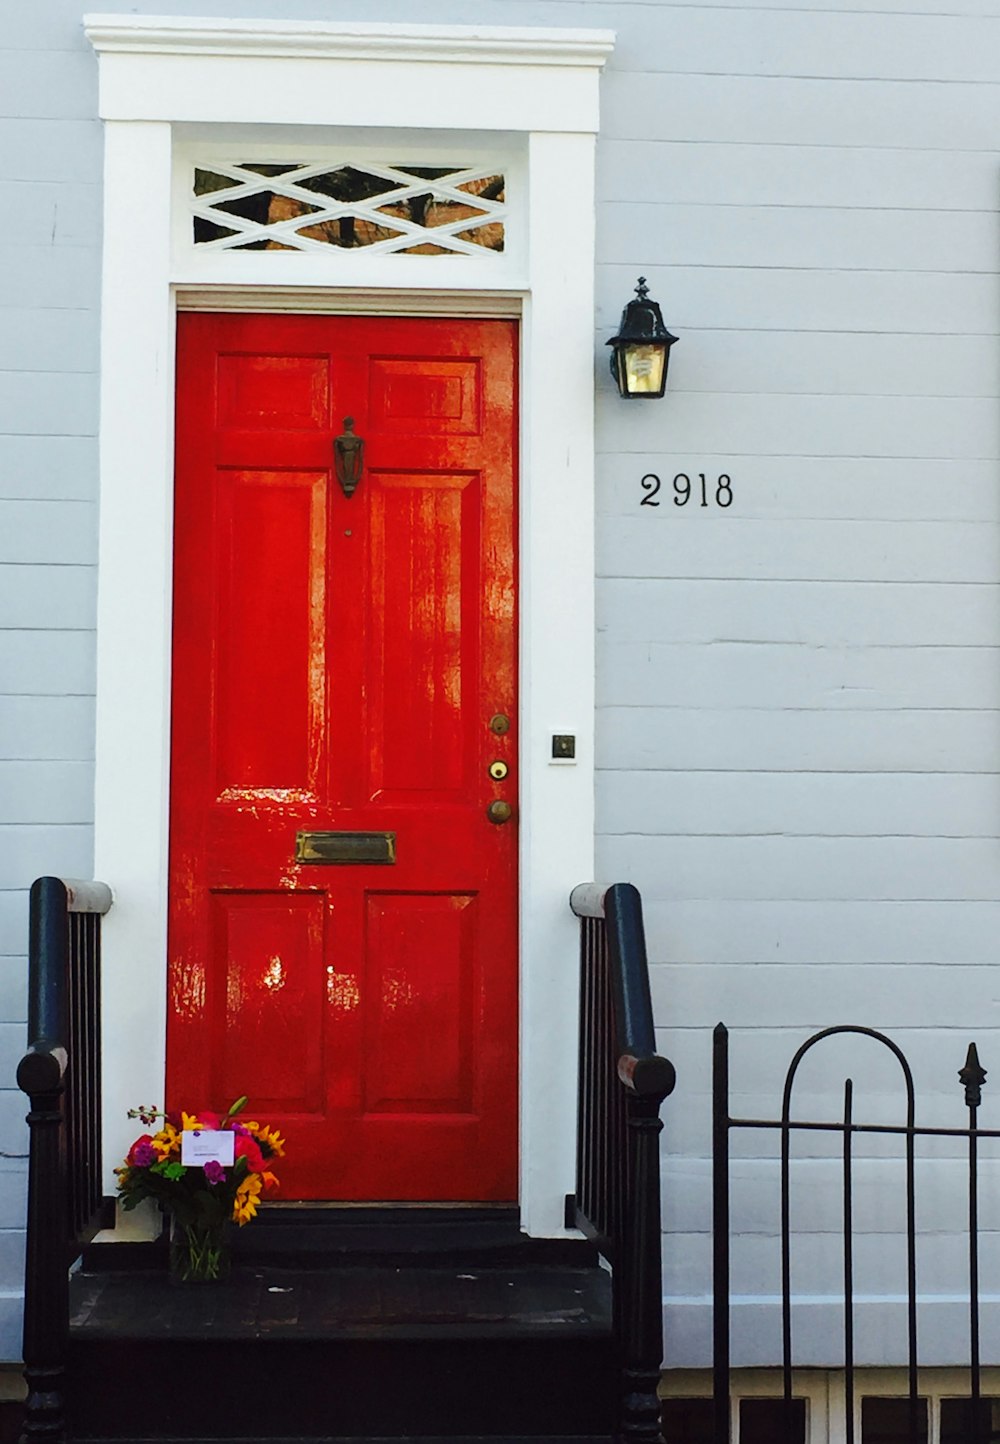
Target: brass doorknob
[{"x": 499, "y": 812}]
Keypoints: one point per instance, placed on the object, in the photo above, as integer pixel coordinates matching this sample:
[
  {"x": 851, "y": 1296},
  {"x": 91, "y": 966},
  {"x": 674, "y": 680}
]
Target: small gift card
[{"x": 207, "y": 1145}]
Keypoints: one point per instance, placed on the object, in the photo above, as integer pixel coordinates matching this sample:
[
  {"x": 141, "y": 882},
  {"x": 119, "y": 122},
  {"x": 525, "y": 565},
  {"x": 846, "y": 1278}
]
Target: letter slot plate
[{"x": 345, "y": 847}]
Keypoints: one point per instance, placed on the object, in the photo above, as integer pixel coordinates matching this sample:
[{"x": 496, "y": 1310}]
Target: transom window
[{"x": 414, "y": 210}]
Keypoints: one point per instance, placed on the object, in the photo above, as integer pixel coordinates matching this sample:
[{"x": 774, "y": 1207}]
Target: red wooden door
[{"x": 337, "y": 662}]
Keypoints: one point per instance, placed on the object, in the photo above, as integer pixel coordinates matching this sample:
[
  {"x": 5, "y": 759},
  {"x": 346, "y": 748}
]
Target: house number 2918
[{"x": 720, "y": 490}]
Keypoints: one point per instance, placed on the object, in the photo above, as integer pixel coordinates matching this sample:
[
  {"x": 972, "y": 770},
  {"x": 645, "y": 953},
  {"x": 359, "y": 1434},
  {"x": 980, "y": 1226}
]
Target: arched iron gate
[{"x": 972, "y": 1076}]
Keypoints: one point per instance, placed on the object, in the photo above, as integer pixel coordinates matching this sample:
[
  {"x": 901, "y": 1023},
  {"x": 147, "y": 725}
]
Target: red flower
[
  {"x": 247, "y": 1147},
  {"x": 142, "y": 1152}
]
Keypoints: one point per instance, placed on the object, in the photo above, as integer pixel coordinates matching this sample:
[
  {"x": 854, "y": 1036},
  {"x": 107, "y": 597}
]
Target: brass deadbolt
[
  {"x": 499, "y": 812},
  {"x": 500, "y": 723},
  {"x": 498, "y": 770}
]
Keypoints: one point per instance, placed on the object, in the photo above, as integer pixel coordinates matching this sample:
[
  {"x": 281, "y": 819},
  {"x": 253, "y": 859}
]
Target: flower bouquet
[{"x": 201, "y": 1199}]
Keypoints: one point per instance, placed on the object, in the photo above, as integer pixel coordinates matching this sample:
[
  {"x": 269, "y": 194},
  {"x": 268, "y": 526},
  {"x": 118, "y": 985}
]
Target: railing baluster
[
  {"x": 973, "y": 1076},
  {"x": 720, "y": 1232},
  {"x": 911, "y": 1277},
  {"x": 787, "y": 1424},
  {"x": 848, "y": 1267}
]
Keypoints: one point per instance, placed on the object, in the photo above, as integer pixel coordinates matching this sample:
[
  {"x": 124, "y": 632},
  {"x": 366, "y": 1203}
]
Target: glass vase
[{"x": 199, "y": 1252}]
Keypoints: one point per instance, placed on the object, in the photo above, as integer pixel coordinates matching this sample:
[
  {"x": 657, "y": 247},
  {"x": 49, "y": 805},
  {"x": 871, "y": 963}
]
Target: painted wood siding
[
  {"x": 50, "y": 148},
  {"x": 799, "y": 735},
  {"x": 799, "y": 740}
]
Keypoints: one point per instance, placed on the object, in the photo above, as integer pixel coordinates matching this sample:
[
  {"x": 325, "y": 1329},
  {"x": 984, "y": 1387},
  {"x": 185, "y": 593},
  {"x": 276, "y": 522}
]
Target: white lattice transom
[{"x": 416, "y": 210}]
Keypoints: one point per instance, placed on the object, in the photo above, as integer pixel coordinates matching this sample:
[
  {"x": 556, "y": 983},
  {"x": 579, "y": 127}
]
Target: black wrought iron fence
[{"x": 972, "y": 1076}]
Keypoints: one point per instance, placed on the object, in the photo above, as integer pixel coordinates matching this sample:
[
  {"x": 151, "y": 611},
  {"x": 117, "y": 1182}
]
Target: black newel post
[
  {"x": 641, "y": 1324},
  {"x": 41, "y": 1075}
]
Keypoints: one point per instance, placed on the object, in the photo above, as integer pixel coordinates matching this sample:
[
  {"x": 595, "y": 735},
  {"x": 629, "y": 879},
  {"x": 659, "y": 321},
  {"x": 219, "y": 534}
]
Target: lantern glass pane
[{"x": 644, "y": 367}]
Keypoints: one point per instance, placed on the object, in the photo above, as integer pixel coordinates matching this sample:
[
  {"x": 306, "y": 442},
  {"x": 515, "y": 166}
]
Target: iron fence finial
[{"x": 972, "y": 1077}]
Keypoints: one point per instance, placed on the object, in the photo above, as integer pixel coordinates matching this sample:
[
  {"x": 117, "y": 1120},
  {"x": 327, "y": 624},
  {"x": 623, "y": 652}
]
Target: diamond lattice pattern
[{"x": 411, "y": 210}]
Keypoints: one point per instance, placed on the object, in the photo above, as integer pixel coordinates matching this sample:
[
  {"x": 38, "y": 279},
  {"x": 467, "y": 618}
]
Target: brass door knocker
[{"x": 348, "y": 457}]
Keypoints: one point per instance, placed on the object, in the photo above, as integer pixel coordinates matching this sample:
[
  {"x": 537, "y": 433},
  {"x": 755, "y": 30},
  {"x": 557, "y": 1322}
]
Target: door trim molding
[
  {"x": 538, "y": 90},
  {"x": 285, "y": 300}
]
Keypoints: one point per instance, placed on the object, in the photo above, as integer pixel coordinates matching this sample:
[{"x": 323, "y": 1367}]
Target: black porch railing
[
  {"x": 61, "y": 1074},
  {"x": 972, "y": 1077},
  {"x": 622, "y": 1083}
]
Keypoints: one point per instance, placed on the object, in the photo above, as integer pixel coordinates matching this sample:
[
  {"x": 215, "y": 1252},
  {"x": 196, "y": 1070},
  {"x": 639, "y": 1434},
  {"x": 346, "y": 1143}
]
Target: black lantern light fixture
[{"x": 641, "y": 348}]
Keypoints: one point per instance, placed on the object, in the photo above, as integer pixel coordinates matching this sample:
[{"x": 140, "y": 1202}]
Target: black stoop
[{"x": 379, "y": 1339}]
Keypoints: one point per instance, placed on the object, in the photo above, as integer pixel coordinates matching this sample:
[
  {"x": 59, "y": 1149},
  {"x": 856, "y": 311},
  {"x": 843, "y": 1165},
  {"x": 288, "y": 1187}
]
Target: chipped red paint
[{"x": 336, "y": 663}]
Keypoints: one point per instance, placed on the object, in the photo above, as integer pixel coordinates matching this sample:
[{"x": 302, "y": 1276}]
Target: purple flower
[
  {"x": 214, "y": 1171},
  {"x": 241, "y": 1130},
  {"x": 143, "y": 1154}
]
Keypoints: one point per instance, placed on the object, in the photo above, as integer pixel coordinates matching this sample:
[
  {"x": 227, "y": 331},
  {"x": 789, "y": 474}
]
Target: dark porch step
[
  {"x": 296, "y": 1235},
  {"x": 304, "y": 1236},
  {"x": 344, "y": 1352}
]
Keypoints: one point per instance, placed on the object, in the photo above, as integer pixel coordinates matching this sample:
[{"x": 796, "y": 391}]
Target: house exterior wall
[{"x": 798, "y": 744}]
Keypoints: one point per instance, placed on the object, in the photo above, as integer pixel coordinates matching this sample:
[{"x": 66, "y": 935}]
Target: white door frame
[{"x": 170, "y": 82}]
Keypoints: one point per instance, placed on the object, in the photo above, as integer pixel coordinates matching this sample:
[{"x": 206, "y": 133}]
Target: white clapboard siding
[
  {"x": 691, "y": 545},
  {"x": 729, "y": 176},
  {"x": 41, "y": 663},
  {"x": 13, "y": 1190},
  {"x": 947, "y": 427},
  {"x": 879, "y": 488},
  {"x": 818, "y": 614},
  {"x": 36, "y": 728},
  {"x": 783, "y": 110},
  {"x": 11, "y": 1050},
  {"x": 53, "y": 85},
  {"x": 48, "y": 532},
  {"x": 54, "y": 341},
  {"x": 30, "y": 400},
  {"x": 40, "y": 596},
  {"x": 725, "y": 674},
  {"x": 61, "y": 277},
  {"x": 13, "y": 929},
  {"x": 765, "y": 995},
  {"x": 44, "y": 213},
  {"x": 805, "y": 867},
  {"x": 51, "y": 150},
  {"x": 48, "y": 467},
  {"x": 13, "y": 1129},
  {"x": 817, "y": 804},
  {"x": 687, "y": 39},
  {"x": 14, "y": 978},
  {"x": 722, "y": 931},
  {"x": 806, "y": 238},
  {"x": 50, "y": 164},
  {"x": 46, "y": 791},
  {"x": 906, "y": 302},
  {"x": 819, "y": 740}
]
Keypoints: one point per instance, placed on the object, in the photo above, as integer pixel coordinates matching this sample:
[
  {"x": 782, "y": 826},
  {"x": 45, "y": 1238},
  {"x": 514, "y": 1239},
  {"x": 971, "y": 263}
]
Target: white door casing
[{"x": 174, "y": 87}]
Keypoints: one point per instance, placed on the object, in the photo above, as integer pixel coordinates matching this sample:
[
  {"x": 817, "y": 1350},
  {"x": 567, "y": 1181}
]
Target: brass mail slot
[{"x": 345, "y": 847}]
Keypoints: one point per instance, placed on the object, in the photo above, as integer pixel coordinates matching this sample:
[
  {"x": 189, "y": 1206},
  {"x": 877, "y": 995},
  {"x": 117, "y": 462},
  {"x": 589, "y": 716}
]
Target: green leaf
[{"x": 235, "y": 1108}]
